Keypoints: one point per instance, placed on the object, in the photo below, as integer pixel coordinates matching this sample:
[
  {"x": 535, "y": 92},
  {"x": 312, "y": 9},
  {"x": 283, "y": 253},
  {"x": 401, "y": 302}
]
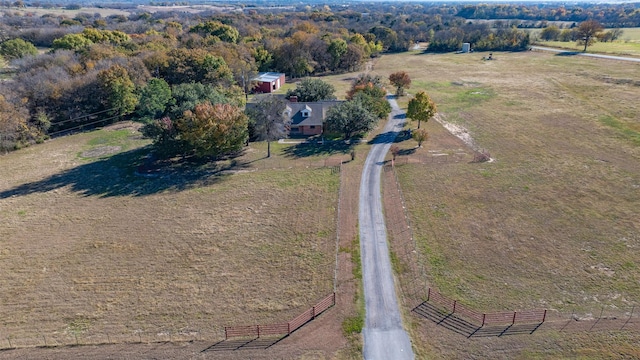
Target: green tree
[
  {"x": 154, "y": 99},
  {"x": 16, "y": 49},
  {"x": 350, "y": 118},
  {"x": 187, "y": 96},
  {"x": 369, "y": 92},
  {"x": 420, "y": 135},
  {"x": 217, "y": 29},
  {"x": 310, "y": 90},
  {"x": 376, "y": 105},
  {"x": 268, "y": 119},
  {"x": 421, "y": 108},
  {"x": 71, "y": 42},
  {"x": 166, "y": 140},
  {"x": 196, "y": 65},
  {"x": 337, "y": 48},
  {"x": 401, "y": 81},
  {"x": 119, "y": 89},
  {"x": 214, "y": 130},
  {"x": 550, "y": 33},
  {"x": 587, "y": 32}
]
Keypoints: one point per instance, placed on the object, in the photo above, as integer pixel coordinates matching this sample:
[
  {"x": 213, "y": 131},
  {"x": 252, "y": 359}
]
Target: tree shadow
[
  {"x": 461, "y": 326},
  {"x": 390, "y": 137},
  {"x": 245, "y": 344},
  {"x": 312, "y": 148},
  {"x": 119, "y": 175},
  {"x": 405, "y": 152},
  {"x": 569, "y": 53}
]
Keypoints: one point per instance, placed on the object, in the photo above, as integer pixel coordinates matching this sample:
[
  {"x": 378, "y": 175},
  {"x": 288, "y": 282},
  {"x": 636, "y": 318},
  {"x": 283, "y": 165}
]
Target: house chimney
[{"x": 293, "y": 98}]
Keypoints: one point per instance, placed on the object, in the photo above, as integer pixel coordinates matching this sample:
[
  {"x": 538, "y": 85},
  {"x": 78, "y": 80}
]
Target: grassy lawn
[
  {"x": 552, "y": 222},
  {"x": 87, "y": 246}
]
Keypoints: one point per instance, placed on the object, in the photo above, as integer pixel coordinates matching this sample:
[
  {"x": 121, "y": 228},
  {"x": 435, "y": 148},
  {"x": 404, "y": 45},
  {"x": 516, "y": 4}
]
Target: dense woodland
[{"x": 157, "y": 67}]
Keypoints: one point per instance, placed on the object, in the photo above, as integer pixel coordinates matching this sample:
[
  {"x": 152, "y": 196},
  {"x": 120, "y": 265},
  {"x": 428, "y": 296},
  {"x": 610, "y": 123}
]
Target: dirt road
[{"x": 384, "y": 336}]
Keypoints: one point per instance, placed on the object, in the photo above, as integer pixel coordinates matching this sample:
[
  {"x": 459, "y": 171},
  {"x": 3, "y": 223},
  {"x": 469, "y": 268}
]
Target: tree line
[{"x": 149, "y": 67}]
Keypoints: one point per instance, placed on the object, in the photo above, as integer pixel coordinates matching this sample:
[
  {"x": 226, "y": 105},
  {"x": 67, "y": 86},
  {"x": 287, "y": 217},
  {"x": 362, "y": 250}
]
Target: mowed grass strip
[
  {"x": 552, "y": 223},
  {"x": 88, "y": 246}
]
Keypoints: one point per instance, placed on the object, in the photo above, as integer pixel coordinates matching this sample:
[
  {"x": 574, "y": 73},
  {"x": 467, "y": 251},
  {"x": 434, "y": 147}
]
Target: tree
[
  {"x": 310, "y": 90},
  {"x": 337, "y": 48},
  {"x": 214, "y": 130},
  {"x": 71, "y": 42},
  {"x": 164, "y": 133},
  {"x": 119, "y": 89},
  {"x": 420, "y": 135},
  {"x": 269, "y": 121},
  {"x": 369, "y": 92},
  {"x": 154, "y": 99},
  {"x": 587, "y": 32},
  {"x": 401, "y": 81},
  {"x": 550, "y": 33},
  {"x": 217, "y": 29},
  {"x": 350, "y": 118},
  {"x": 421, "y": 108},
  {"x": 16, "y": 49},
  {"x": 196, "y": 65},
  {"x": 187, "y": 96}
]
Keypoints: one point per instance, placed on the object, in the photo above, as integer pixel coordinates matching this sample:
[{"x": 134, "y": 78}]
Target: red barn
[{"x": 268, "y": 82}]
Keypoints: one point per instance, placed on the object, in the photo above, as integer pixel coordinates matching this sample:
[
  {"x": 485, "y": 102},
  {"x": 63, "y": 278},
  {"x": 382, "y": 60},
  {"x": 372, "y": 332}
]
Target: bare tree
[
  {"x": 588, "y": 32},
  {"x": 269, "y": 119}
]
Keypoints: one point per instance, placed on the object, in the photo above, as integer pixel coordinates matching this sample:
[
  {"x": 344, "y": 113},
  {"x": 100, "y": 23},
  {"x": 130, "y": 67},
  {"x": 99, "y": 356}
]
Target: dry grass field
[
  {"x": 88, "y": 248},
  {"x": 628, "y": 44},
  {"x": 553, "y": 221}
]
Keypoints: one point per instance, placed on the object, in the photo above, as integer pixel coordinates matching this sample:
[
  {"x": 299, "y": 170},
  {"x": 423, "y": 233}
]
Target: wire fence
[
  {"x": 281, "y": 328},
  {"x": 482, "y": 319}
]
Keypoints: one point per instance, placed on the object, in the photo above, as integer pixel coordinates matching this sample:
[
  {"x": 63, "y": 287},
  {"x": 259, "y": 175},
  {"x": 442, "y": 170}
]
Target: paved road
[
  {"x": 384, "y": 336},
  {"x": 610, "y": 57}
]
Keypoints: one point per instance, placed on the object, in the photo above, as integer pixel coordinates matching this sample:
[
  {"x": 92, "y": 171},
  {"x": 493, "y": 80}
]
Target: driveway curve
[{"x": 384, "y": 335}]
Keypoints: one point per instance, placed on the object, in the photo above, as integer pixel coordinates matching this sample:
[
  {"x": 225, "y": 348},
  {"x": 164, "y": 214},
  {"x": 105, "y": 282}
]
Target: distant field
[
  {"x": 60, "y": 11},
  {"x": 553, "y": 222},
  {"x": 616, "y": 47},
  {"x": 628, "y": 44},
  {"x": 89, "y": 248}
]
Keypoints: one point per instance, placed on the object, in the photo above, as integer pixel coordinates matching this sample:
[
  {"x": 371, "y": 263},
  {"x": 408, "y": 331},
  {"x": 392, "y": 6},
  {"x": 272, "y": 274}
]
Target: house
[
  {"x": 308, "y": 118},
  {"x": 268, "y": 82}
]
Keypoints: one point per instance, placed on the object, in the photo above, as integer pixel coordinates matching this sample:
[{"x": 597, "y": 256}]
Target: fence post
[
  {"x": 334, "y": 299},
  {"x": 258, "y": 326},
  {"x": 45, "y": 340},
  {"x": 288, "y": 328},
  {"x": 454, "y": 305},
  {"x": 9, "y": 340},
  {"x": 483, "y": 318},
  {"x": 544, "y": 316},
  {"x": 313, "y": 312},
  {"x": 514, "y": 318},
  {"x": 428, "y": 294}
]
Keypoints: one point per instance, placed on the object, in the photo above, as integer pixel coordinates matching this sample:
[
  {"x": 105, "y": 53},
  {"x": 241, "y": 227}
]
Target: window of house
[{"x": 312, "y": 126}]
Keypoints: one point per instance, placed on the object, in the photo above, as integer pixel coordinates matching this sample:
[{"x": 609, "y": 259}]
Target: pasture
[
  {"x": 553, "y": 221},
  {"x": 627, "y": 44},
  {"x": 89, "y": 248}
]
